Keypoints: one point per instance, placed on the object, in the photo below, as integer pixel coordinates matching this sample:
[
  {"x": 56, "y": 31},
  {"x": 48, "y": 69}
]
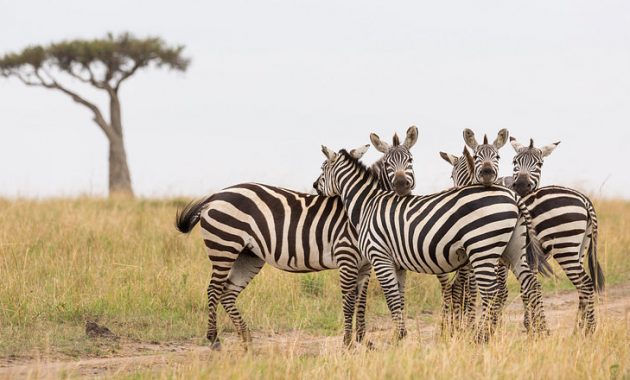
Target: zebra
[
  {"x": 482, "y": 168},
  {"x": 433, "y": 234},
  {"x": 566, "y": 225},
  {"x": 247, "y": 225},
  {"x": 462, "y": 292},
  {"x": 564, "y": 220}
]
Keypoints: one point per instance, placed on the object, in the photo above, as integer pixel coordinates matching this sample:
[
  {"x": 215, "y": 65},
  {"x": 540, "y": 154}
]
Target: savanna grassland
[{"x": 121, "y": 264}]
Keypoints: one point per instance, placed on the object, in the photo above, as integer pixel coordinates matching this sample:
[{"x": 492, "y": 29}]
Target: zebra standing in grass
[
  {"x": 248, "y": 225},
  {"x": 564, "y": 220},
  {"x": 432, "y": 234},
  {"x": 566, "y": 225},
  {"x": 484, "y": 168}
]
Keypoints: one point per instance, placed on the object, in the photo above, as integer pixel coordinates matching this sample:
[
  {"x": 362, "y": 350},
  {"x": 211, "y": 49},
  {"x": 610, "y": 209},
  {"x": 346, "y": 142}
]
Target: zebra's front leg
[
  {"x": 386, "y": 275},
  {"x": 348, "y": 276},
  {"x": 362, "y": 290}
]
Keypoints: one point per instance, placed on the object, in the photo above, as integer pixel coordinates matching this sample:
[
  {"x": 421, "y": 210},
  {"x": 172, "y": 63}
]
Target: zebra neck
[{"x": 356, "y": 187}]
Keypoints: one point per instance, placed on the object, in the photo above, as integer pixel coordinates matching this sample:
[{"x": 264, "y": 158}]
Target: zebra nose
[
  {"x": 523, "y": 187},
  {"x": 486, "y": 171},
  {"x": 315, "y": 185}
]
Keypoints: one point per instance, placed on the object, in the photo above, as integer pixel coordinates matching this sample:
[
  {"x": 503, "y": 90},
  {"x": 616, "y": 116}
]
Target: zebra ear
[
  {"x": 516, "y": 145},
  {"x": 379, "y": 144},
  {"x": 330, "y": 155},
  {"x": 449, "y": 158},
  {"x": 547, "y": 149},
  {"x": 412, "y": 136},
  {"x": 502, "y": 138},
  {"x": 469, "y": 139},
  {"x": 359, "y": 152},
  {"x": 470, "y": 161}
]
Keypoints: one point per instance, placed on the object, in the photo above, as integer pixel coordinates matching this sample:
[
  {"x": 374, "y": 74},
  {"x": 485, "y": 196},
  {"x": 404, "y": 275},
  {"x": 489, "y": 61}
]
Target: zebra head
[
  {"x": 463, "y": 167},
  {"x": 486, "y": 156},
  {"x": 395, "y": 168},
  {"x": 328, "y": 182},
  {"x": 528, "y": 165}
]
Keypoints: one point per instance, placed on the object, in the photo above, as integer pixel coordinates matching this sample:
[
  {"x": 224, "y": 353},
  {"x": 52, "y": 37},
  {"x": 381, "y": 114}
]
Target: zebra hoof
[
  {"x": 216, "y": 345},
  {"x": 401, "y": 334},
  {"x": 369, "y": 345}
]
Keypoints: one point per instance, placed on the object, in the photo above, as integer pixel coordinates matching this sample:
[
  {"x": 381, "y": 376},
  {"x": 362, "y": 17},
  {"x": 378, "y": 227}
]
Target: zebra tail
[
  {"x": 188, "y": 217},
  {"x": 535, "y": 253},
  {"x": 594, "y": 268}
]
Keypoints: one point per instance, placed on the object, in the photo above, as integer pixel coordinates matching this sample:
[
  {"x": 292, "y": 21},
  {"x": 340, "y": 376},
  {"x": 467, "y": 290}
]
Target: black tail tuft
[
  {"x": 594, "y": 269},
  {"x": 537, "y": 258},
  {"x": 188, "y": 217}
]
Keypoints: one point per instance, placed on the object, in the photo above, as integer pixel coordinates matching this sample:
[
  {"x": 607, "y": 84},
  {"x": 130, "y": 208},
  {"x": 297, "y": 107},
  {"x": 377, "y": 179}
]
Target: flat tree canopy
[{"x": 103, "y": 63}]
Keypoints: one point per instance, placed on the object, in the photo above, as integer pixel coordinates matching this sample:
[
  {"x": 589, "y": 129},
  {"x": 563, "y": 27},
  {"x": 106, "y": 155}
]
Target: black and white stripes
[
  {"x": 433, "y": 234},
  {"x": 248, "y": 225}
]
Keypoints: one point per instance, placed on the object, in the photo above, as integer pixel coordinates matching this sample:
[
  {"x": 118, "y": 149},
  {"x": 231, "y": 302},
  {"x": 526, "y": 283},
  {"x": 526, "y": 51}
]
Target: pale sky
[{"x": 272, "y": 80}]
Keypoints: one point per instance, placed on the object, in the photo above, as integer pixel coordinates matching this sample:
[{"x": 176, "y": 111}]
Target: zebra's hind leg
[
  {"x": 484, "y": 266},
  {"x": 348, "y": 279},
  {"x": 386, "y": 275},
  {"x": 219, "y": 275},
  {"x": 464, "y": 298},
  {"x": 534, "y": 317},
  {"x": 363, "y": 281},
  {"x": 470, "y": 305},
  {"x": 502, "y": 273},
  {"x": 401, "y": 275},
  {"x": 245, "y": 268},
  {"x": 586, "y": 290},
  {"x": 450, "y": 307}
]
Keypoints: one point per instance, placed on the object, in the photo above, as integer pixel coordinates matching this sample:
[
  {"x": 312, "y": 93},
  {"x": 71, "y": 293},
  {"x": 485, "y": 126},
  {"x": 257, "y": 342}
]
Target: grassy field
[{"x": 122, "y": 264}]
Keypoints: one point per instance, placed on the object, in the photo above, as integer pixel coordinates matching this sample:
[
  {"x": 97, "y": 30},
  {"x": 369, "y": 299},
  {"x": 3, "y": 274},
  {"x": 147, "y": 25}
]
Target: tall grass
[{"x": 122, "y": 263}]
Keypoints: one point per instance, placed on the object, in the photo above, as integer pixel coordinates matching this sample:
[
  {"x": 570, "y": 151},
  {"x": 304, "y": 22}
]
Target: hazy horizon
[{"x": 269, "y": 83}]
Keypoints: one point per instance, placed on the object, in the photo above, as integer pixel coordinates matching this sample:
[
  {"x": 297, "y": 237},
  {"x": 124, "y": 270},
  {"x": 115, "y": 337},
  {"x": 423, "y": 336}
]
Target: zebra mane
[
  {"x": 377, "y": 167},
  {"x": 372, "y": 172}
]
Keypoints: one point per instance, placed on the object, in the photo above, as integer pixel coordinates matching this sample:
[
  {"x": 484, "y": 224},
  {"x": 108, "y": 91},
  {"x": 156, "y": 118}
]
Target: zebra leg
[
  {"x": 401, "y": 275},
  {"x": 362, "y": 290},
  {"x": 386, "y": 275},
  {"x": 464, "y": 298},
  {"x": 515, "y": 256},
  {"x": 502, "y": 272},
  {"x": 448, "y": 306},
  {"x": 219, "y": 275},
  {"x": 484, "y": 265},
  {"x": 245, "y": 268},
  {"x": 471, "y": 298},
  {"x": 348, "y": 277},
  {"x": 570, "y": 263}
]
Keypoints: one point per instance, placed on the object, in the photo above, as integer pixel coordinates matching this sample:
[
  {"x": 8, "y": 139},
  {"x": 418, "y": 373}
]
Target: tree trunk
[{"x": 119, "y": 178}]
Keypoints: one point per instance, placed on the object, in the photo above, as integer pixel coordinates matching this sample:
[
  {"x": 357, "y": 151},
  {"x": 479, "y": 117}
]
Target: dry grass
[{"x": 122, "y": 263}]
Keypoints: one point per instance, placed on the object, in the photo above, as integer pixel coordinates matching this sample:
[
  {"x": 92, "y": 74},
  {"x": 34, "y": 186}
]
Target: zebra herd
[{"x": 366, "y": 217}]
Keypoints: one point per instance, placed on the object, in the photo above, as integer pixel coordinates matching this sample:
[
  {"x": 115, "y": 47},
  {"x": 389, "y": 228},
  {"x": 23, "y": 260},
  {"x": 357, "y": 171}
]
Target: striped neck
[{"x": 356, "y": 184}]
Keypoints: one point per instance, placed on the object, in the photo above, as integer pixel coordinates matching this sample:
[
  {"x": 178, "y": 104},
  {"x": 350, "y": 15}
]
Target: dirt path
[{"x": 560, "y": 309}]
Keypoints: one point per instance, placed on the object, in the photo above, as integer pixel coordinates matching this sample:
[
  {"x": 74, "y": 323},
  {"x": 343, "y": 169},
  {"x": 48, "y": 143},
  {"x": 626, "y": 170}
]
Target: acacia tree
[{"x": 104, "y": 64}]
